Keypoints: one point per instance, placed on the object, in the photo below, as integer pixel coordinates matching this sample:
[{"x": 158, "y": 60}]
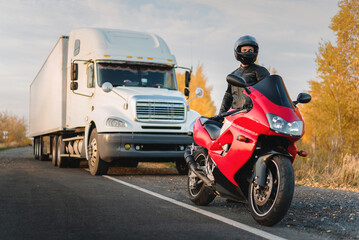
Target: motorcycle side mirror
[
  {"x": 304, "y": 98},
  {"x": 236, "y": 80},
  {"x": 107, "y": 87}
]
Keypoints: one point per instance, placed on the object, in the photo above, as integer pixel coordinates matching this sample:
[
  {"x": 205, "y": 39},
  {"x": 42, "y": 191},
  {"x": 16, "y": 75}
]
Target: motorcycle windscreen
[{"x": 273, "y": 88}]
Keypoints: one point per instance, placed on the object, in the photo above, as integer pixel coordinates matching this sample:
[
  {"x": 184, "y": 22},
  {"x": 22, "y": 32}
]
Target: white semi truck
[{"x": 109, "y": 96}]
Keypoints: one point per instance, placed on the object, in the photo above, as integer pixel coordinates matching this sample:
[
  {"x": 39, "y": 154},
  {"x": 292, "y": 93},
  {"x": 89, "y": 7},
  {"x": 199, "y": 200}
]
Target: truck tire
[
  {"x": 130, "y": 163},
  {"x": 54, "y": 150},
  {"x": 36, "y": 149},
  {"x": 182, "y": 167},
  {"x": 96, "y": 165},
  {"x": 40, "y": 156},
  {"x": 61, "y": 162}
]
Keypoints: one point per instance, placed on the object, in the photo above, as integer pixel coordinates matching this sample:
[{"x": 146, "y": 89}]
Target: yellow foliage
[
  {"x": 332, "y": 116},
  {"x": 333, "y": 113},
  {"x": 204, "y": 105},
  {"x": 14, "y": 126}
]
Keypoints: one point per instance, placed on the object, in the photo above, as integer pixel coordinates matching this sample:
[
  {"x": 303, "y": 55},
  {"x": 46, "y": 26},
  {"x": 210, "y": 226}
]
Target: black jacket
[{"x": 234, "y": 96}]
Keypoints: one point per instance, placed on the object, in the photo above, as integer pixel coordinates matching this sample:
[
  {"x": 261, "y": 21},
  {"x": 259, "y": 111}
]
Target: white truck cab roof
[{"x": 114, "y": 44}]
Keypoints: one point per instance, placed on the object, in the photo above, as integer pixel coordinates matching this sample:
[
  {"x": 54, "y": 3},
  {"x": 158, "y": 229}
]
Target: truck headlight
[
  {"x": 114, "y": 122},
  {"x": 279, "y": 125}
]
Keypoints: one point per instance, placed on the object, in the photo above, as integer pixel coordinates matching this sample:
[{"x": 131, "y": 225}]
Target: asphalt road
[{"x": 39, "y": 201}]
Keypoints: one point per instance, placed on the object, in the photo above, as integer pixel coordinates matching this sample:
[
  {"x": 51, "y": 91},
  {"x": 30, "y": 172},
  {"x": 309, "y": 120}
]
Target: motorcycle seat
[{"x": 213, "y": 128}]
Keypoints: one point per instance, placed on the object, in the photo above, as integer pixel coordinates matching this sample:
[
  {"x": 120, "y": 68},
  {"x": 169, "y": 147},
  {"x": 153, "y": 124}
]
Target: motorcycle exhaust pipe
[{"x": 193, "y": 167}]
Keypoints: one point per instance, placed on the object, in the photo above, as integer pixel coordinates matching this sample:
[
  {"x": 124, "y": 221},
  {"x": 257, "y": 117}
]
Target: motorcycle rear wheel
[
  {"x": 269, "y": 205},
  {"x": 197, "y": 190}
]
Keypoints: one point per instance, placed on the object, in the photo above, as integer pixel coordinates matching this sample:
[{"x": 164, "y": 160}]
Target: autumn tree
[
  {"x": 333, "y": 114},
  {"x": 14, "y": 126},
  {"x": 204, "y": 105}
]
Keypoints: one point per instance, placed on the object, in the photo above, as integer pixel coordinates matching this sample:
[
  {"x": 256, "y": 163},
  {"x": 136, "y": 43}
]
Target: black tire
[
  {"x": 61, "y": 162},
  {"x": 182, "y": 167},
  {"x": 36, "y": 149},
  {"x": 40, "y": 156},
  {"x": 268, "y": 206},
  {"x": 197, "y": 191},
  {"x": 54, "y": 151},
  {"x": 96, "y": 165},
  {"x": 130, "y": 163},
  {"x": 74, "y": 163}
]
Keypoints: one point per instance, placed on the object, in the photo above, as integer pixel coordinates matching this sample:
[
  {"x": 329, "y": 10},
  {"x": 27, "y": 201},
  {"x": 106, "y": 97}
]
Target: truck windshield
[{"x": 136, "y": 75}]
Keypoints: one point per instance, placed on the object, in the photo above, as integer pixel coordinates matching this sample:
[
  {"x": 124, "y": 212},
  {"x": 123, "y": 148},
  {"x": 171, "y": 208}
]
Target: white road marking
[{"x": 228, "y": 221}]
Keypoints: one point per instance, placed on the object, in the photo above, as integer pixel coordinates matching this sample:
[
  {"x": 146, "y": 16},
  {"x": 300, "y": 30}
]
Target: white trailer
[{"x": 109, "y": 96}]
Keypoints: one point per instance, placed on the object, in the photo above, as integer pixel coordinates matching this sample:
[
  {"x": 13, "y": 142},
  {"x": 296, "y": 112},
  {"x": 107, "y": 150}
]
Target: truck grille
[{"x": 151, "y": 111}]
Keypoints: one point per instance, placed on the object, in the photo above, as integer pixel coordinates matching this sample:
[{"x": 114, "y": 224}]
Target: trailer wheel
[
  {"x": 40, "y": 156},
  {"x": 36, "y": 149},
  {"x": 96, "y": 165},
  {"x": 54, "y": 150},
  {"x": 61, "y": 162}
]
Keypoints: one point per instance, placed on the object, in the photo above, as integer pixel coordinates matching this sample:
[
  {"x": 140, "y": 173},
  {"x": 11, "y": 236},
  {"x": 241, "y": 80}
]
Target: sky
[{"x": 197, "y": 32}]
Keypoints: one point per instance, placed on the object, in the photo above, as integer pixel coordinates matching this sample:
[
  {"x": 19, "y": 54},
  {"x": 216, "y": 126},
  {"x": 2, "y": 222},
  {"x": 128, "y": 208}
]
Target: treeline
[
  {"x": 332, "y": 117},
  {"x": 12, "y": 130}
]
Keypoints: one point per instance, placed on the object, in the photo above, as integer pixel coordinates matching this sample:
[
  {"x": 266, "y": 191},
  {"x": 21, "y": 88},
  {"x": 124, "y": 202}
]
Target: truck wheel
[
  {"x": 40, "y": 156},
  {"x": 54, "y": 150},
  {"x": 74, "y": 163},
  {"x": 61, "y": 162},
  {"x": 182, "y": 167},
  {"x": 96, "y": 165},
  {"x": 36, "y": 149},
  {"x": 130, "y": 163}
]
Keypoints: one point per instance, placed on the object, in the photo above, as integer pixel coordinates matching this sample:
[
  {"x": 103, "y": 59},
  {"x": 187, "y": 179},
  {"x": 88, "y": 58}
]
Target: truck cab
[{"x": 121, "y": 103}]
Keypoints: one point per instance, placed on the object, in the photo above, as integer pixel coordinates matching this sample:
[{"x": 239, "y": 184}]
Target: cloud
[{"x": 197, "y": 31}]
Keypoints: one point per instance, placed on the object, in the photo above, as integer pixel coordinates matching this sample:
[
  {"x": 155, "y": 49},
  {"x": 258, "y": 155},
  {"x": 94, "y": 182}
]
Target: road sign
[{"x": 5, "y": 134}]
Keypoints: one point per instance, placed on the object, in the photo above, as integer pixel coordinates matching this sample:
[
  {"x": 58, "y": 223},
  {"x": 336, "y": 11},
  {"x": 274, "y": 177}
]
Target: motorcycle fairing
[
  {"x": 268, "y": 96},
  {"x": 230, "y": 136}
]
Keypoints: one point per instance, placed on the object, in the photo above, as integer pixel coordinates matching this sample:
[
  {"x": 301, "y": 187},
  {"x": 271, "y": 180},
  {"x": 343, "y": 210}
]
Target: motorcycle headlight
[
  {"x": 114, "y": 122},
  {"x": 279, "y": 125}
]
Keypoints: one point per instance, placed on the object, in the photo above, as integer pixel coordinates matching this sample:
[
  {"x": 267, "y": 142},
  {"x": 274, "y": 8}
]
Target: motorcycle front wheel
[
  {"x": 270, "y": 204},
  {"x": 197, "y": 190}
]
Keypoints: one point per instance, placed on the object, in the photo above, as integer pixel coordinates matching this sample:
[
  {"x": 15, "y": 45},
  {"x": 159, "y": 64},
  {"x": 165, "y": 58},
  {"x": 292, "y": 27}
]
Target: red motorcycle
[{"x": 249, "y": 157}]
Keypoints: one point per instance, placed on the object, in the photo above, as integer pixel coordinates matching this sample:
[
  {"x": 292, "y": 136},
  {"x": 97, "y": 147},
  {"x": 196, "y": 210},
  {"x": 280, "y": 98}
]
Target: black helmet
[{"x": 246, "y": 58}]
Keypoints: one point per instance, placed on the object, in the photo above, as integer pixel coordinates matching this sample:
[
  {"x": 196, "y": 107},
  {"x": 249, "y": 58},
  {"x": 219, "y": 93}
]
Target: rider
[{"x": 245, "y": 51}]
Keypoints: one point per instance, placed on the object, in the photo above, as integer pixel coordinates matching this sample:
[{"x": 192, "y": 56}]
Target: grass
[{"x": 336, "y": 172}]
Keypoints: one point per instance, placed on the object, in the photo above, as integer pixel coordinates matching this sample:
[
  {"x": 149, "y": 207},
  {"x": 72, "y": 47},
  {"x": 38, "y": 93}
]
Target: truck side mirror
[
  {"x": 186, "y": 92},
  {"x": 187, "y": 78},
  {"x": 199, "y": 92},
  {"x": 74, "y": 86},
  {"x": 107, "y": 87},
  {"x": 74, "y": 71}
]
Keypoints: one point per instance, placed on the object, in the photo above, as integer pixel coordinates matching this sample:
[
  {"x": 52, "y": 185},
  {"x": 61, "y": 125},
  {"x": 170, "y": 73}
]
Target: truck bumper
[{"x": 142, "y": 147}]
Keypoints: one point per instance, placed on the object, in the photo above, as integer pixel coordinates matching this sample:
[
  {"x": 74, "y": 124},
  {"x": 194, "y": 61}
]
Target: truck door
[{"x": 80, "y": 97}]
